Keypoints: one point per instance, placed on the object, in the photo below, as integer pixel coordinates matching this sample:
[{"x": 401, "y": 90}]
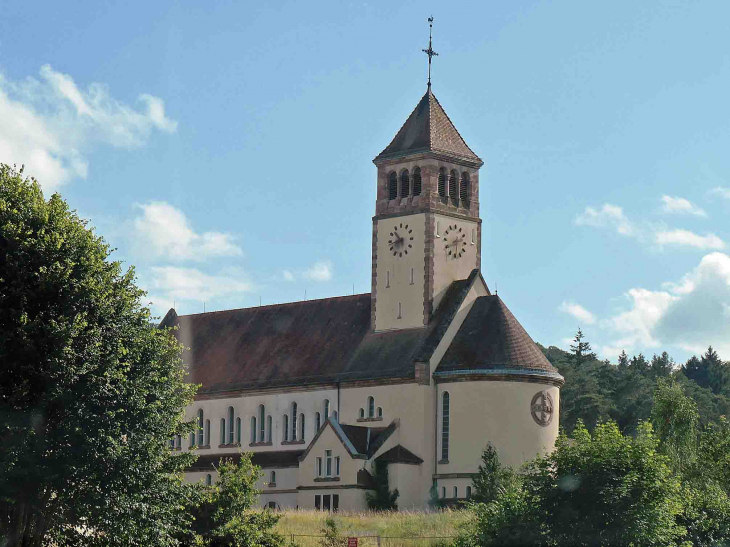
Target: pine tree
[{"x": 581, "y": 350}]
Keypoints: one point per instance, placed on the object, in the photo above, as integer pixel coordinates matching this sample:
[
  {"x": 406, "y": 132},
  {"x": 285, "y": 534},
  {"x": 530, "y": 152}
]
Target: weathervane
[{"x": 430, "y": 52}]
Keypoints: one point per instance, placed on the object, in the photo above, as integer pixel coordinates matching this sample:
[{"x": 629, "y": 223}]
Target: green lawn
[{"x": 418, "y": 528}]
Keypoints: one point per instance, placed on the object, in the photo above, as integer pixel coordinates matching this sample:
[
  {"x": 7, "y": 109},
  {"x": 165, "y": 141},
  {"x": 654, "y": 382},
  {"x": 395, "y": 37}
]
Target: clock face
[
  {"x": 401, "y": 240},
  {"x": 454, "y": 242}
]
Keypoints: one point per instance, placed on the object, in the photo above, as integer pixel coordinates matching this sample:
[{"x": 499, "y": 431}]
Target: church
[{"x": 418, "y": 375}]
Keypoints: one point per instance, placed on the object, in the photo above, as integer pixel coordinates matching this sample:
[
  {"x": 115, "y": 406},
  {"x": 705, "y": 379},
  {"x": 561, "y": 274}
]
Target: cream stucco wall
[
  {"x": 400, "y": 279},
  {"x": 497, "y": 412},
  {"x": 349, "y": 466},
  {"x": 447, "y": 269}
]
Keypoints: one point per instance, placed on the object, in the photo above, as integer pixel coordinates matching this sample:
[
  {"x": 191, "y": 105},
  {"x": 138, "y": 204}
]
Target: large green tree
[{"x": 90, "y": 390}]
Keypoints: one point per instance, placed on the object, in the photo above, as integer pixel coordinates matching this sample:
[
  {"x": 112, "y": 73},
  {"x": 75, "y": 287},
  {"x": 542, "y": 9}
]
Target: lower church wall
[{"x": 350, "y": 499}]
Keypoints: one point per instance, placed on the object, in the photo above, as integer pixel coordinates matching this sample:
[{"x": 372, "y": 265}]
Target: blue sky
[{"x": 225, "y": 148}]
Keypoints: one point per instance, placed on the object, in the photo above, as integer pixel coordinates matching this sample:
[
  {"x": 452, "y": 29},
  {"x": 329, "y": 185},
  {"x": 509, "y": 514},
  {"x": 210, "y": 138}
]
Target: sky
[{"x": 224, "y": 149}]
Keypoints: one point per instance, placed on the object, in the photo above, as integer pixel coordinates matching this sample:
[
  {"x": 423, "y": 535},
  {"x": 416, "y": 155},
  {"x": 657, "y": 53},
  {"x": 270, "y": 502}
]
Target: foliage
[
  {"x": 602, "y": 489},
  {"x": 491, "y": 477},
  {"x": 90, "y": 391},
  {"x": 675, "y": 419},
  {"x": 225, "y": 518},
  {"x": 581, "y": 350},
  {"x": 382, "y": 499},
  {"x": 332, "y": 535}
]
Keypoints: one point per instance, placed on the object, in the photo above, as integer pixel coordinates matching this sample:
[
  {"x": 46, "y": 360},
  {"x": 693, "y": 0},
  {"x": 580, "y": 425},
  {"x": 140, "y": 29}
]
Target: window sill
[
  {"x": 443, "y": 462},
  {"x": 370, "y": 419},
  {"x": 228, "y": 445},
  {"x": 203, "y": 447},
  {"x": 292, "y": 442},
  {"x": 271, "y": 485},
  {"x": 261, "y": 443},
  {"x": 327, "y": 479}
]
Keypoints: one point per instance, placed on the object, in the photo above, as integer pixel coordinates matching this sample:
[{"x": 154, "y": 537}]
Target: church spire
[{"x": 430, "y": 52}]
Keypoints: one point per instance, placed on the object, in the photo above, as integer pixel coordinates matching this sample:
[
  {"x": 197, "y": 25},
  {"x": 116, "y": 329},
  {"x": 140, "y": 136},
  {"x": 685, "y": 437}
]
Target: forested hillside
[{"x": 597, "y": 390}]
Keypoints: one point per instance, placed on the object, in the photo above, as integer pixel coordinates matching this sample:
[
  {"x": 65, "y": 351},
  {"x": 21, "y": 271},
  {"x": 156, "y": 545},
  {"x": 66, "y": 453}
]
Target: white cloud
[
  {"x": 170, "y": 283},
  {"x": 681, "y": 206},
  {"x": 720, "y": 191},
  {"x": 287, "y": 275},
  {"x": 51, "y": 125},
  {"x": 164, "y": 231},
  {"x": 578, "y": 311},
  {"x": 609, "y": 216},
  {"x": 690, "y": 314},
  {"x": 687, "y": 238},
  {"x": 320, "y": 271}
]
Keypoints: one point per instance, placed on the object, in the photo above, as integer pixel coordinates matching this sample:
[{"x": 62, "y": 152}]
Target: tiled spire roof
[{"x": 428, "y": 129}]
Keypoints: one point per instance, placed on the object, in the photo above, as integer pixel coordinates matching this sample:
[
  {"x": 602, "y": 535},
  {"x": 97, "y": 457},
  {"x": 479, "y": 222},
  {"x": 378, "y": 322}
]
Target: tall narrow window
[
  {"x": 392, "y": 185},
  {"x": 473, "y": 236},
  {"x": 400, "y": 310},
  {"x": 453, "y": 186},
  {"x": 443, "y": 492},
  {"x": 262, "y": 423},
  {"x": 380, "y": 412},
  {"x": 456, "y": 492},
  {"x": 317, "y": 421},
  {"x": 208, "y": 480},
  {"x": 405, "y": 184},
  {"x": 207, "y": 432},
  {"x": 301, "y": 427},
  {"x": 417, "y": 181},
  {"x": 442, "y": 182},
  {"x": 318, "y": 467},
  {"x": 253, "y": 429},
  {"x": 238, "y": 430},
  {"x": 286, "y": 427},
  {"x": 223, "y": 431},
  {"x": 191, "y": 441},
  {"x": 387, "y": 279},
  {"x": 464, "y": 189},
  {"x": 326, "y": 408},
  {"x": 178, "y": 441},
  {"x": 230, "y": 424},
  {"x": 293, "y": 421},
  {"x": 334, "y": 416},
  {"x": 272, "y": 478},
  {"x": 437, "y": 229},
  {"x": 200, "y": 427},
  {"x": 412, "y": 275},
  {"x": 445, "y": 426},
  {"x": 371, "y": 407},
  {"x": 337, "y": 466},
  {"x": 328, "y": 463},
  {"x": 269, "y": 429},
  {"x": 468, "y": 492},
  {"x": 172, "y": 442},
  {"x": 362, "y": 412}
]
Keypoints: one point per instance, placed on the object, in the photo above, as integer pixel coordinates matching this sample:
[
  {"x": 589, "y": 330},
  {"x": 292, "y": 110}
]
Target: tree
[
  {"x": 675, "y": 419},
  {"x": 225, "y": 518},
  {"x": 332, "y": 536},
  {"x": 382, "y": 499},
  {"x": 90, "y": 391},
  {"x": 602, "y": 489},
  {"x": 623, "y": 362},
  {"x": 581, "y": 350},
  {"x": 491, "y": 477}
]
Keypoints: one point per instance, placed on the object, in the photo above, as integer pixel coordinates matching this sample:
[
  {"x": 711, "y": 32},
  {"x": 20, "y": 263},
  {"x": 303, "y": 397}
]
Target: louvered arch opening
[
  {"x": 442, "y": 182},
  {"x": 405, "y": 183},
  {"x": 464, "y": 190},
  {"x": 392, "y": 185},
  {"x": 453, "y": 185},
  {"x": 417, "y": 181}
]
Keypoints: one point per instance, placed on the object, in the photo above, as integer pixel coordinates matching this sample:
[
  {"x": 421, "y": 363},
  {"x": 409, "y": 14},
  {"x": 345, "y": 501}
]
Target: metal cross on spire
[{"x": 430, "y": 52}]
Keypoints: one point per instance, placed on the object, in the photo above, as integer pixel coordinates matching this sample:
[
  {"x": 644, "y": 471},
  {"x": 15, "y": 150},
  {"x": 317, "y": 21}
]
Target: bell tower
[{"x": 426, "y": 228}]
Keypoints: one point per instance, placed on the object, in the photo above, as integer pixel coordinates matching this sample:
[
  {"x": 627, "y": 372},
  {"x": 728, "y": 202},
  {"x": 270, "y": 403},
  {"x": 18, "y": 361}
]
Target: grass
[{"x": 407, "y": 528}]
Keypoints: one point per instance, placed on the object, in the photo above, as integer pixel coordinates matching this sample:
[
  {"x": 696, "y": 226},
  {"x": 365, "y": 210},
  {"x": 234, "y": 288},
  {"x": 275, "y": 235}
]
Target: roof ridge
[{"x": 282, "y": 304}]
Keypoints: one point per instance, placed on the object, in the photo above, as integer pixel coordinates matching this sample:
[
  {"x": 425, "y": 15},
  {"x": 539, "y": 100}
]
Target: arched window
[
  {"x": 238, "y": 430},
  {"x": 262, "y": 423},
  {"x": 208, "y": 480},
  {"x": 362, "y": 412},
  {"x": 317, "y": 421},
  {"x": 442, "y": 182},
  {"x": 453, "y": 186},
  {"x": 371, "y": 407},
  {"x": 200, "y": 428},
  {"x": 272, "y": 478},
  {"x": 464, "y": 189},
  {"x": 326, "y": 408},
  {"x": 207, "y": 432},
  {"x": 269, "y": 429},
  {"x": 334, "y": 415},
  {"x": 392, "y": 185},
  {"x": 293, "y": 421},
  {"x": 286, "y": 427},
  {"x": 456, "y": 492},
  {"x": 445, "y": 426},
  {"x": 223, "y": 431},
  {"x": 230, "y": 424},
  {"x": 405, "y": 183},
  {"x": 301, "y": 427},
  {"x": 468, "y": 492},
  {"x": 417, "y": 181},
  {"x": 253, "y": 429},
  {"x": 380, "y": 412}
]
